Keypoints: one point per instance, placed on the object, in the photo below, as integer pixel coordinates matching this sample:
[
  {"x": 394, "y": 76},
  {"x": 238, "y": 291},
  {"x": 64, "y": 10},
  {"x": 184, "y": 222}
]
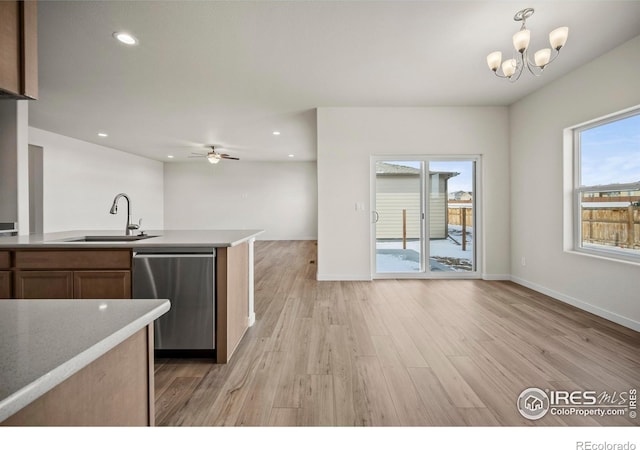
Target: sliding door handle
[{"x": 376, "y": 216}]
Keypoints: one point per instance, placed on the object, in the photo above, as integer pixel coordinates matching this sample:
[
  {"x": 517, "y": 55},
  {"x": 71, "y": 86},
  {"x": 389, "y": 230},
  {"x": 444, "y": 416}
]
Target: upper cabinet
[{"x": 18, "y": 49}]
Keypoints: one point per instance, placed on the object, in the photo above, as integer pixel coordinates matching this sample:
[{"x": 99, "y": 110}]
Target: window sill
[{"x": 605, "y": 256}]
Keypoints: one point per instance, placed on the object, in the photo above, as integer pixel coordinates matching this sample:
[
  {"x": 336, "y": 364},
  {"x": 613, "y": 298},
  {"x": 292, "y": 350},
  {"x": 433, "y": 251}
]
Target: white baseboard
[
  {"x": 299, "y": 238},
  {"x": 495, "y": 277},
  {"x": 330, "y": 277},
  {"x": 617, "y": 318}
]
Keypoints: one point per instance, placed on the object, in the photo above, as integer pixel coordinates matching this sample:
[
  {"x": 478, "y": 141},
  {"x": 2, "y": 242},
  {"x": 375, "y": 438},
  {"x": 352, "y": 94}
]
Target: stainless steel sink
[{"x": 106, "y": 238}]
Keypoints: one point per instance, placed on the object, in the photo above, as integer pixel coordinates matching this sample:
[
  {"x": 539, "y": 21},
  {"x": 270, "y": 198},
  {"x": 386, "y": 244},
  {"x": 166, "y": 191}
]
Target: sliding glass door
[
  {"x": 424, "y": 217},
  {"x": 398, "y": 216},
  {"x": 451, "y": 218}
]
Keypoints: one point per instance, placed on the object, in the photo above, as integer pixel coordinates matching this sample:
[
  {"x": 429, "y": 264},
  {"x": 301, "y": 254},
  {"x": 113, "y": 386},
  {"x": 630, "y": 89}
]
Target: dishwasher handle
[{"x": 137, "y": 255}]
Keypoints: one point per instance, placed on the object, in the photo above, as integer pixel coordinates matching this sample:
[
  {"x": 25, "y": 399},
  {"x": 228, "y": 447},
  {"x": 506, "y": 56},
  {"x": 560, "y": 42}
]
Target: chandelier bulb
[
  {"x": 493, "y": 60},
  {"x": 558, "y": 37},
  {"x": 521, "y": 40},
  {"x": 542, "y": 57},
  {"x": 509, "y": 67}
]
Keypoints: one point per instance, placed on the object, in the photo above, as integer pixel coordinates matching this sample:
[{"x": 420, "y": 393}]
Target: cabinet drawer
[
  {"x": 73, "y": 259},
  {"x": 4, "y": 260}
]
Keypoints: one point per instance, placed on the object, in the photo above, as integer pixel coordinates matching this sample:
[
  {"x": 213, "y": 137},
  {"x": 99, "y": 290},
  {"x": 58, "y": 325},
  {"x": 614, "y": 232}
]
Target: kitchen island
[
  {"x": 88, "y": 264},
  {"x": 65, "y": 362}
]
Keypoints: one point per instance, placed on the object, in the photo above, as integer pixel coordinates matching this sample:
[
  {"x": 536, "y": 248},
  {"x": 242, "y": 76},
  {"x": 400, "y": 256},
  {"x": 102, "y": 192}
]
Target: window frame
[{"x": 578, "y": 190}]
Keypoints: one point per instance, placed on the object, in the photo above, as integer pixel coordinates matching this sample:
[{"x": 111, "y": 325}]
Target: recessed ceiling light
[
  {"x": 103, "y": 134},
  {"x": 125, "y": 38},
  {"x": 291, "y": 156},
  {"x": 276, "y": 133},
  {"x": 170, "y": 156}
]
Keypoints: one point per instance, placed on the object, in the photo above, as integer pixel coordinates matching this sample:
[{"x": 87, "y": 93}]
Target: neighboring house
[
  {"x": 397, "y": 188},
  {"x": 461, "y": 196}
]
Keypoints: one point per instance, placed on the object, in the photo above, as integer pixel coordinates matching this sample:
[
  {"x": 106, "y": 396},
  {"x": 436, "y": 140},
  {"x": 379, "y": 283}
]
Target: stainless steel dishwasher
[{"x": 187, "y": 278}]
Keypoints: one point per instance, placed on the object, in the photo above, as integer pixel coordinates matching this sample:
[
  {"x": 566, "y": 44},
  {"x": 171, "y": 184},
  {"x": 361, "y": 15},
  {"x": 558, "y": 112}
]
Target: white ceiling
[{"x": 232, "y": 72}]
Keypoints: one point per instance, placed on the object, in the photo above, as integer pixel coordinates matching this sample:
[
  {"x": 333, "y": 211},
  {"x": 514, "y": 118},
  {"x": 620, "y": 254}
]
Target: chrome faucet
[{"x": 114, "y": 209}]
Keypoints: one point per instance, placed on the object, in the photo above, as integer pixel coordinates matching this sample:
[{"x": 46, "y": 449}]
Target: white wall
[
  {"x": 81, "y": 179},
  {"x": 8, "y": 161},
  {"x": 279, "y": 197},
  {"x": 607, "y": 84},
  {"x": 348, "y": 137},
  {"x": 14, "y": 163},
  {"x": 23, "y": 166}
]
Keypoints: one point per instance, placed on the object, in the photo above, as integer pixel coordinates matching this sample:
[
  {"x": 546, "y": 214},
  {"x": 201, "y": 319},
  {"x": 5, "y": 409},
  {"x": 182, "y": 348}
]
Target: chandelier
[{"x": 513, "y": 68}]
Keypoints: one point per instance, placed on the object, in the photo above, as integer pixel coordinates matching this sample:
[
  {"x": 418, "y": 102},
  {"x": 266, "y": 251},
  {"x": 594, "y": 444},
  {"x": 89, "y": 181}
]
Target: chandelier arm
[
  {"x": 531, "y": 65},
  {"x": 531, "y": 70},
  {"x": 557, "y": 53},
  {"x": 516, "y": 76},
  {"x": 520, "y": 67},
  {"x": 512, "y": 79}
]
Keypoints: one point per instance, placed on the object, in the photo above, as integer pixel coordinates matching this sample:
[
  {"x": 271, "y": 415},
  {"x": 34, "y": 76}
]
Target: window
[{"x": 607, "y": 186}]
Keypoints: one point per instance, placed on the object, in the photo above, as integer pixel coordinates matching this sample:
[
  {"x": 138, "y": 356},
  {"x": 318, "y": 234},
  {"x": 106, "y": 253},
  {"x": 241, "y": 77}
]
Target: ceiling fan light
[
  {"x": 125, "y": 38},
  {"x": 213, "y": 158},
  {"x": 521, "y": 40},
  {"x": 493, "y": 60},
  {"x": 558, "y": 37}
]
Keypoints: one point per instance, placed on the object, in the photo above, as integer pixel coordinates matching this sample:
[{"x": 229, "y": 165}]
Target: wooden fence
[
  {"x": 455, "y": 213},
  {"x": 461, "y": 215},
  {"x": 617, "y": 226}
]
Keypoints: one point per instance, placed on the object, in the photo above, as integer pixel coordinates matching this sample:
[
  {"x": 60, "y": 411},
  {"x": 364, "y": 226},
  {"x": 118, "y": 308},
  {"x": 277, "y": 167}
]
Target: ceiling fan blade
[{"x": 229, "y": 157}]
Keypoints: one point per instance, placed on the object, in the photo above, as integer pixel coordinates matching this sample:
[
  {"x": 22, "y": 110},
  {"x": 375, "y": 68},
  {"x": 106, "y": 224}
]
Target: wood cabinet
[
  {"x": 86, "y": 259},
  {"x": 232, "y": 299},
  {"x": 5, "y": 276},
  {"x": 43, "y": 284},
  {"x": 117, "y": 389},
  {"x": 18, "y": 49},
  {"x": 5, "y": 260},
  {"x": 102, "y": 284},
  {"x": 5, "y": 284},
  {"x": 82, "y": 274}
]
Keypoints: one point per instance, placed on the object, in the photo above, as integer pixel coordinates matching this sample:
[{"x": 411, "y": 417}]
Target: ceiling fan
[{"x": 213, "y": 156}]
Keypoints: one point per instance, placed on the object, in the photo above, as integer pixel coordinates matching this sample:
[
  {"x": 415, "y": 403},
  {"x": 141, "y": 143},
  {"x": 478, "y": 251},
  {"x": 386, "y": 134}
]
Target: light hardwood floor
[{"x": 395, "y": 352}]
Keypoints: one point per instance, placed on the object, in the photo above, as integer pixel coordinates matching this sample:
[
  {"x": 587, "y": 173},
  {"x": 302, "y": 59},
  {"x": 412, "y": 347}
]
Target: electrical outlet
[{"x": 523, "y": 261}]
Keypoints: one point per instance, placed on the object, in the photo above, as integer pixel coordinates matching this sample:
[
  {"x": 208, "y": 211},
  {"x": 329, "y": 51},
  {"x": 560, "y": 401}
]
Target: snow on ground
[
  {"x": 446, "y": 255},
  {"x": 395, "y": 263}
]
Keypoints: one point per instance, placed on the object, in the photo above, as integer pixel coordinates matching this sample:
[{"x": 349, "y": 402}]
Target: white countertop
[
  {"x": 162, "y": 239},
  {"x": 44, "y": 342}
]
